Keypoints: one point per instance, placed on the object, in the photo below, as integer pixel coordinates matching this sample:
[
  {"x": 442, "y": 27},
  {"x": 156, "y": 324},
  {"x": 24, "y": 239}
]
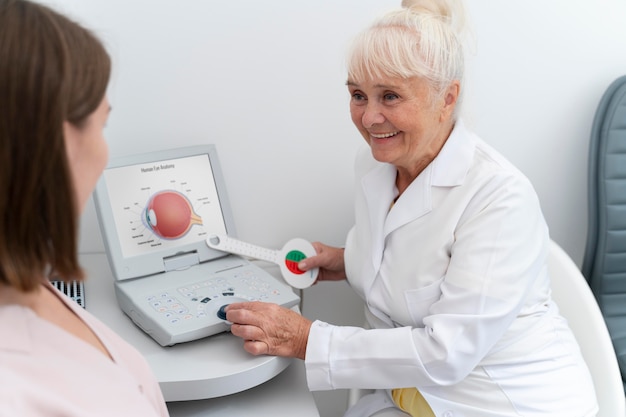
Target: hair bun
[
  {"x": 441, "y": 8},
  {"x": 450, "y": 11}
]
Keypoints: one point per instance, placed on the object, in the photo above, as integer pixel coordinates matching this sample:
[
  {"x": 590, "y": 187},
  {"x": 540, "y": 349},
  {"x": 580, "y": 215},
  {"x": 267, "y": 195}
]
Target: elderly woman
[
  {"x": 448, "y": 251},
  {"x": 55, "y": 358}
]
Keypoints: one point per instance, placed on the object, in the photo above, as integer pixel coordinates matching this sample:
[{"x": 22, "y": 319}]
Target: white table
[{"x": 196, "y": 377}]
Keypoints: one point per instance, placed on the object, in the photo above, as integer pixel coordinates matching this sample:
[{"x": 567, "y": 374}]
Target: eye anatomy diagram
[
  {"x": 164, "y": 205},
  {"x": 163, "y": 216},
  {"x": 170, "y": 215}
]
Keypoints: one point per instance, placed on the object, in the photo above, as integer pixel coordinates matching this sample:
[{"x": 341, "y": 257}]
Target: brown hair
[{"x": 51, "y": 70}]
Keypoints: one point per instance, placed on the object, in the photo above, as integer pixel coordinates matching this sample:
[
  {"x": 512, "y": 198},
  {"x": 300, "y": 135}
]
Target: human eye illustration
[{"x": 170, "y": 215}]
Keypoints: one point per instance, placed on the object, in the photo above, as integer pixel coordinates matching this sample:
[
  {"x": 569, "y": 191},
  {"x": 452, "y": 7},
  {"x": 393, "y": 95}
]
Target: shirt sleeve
[{"x": 339, "y": 356}]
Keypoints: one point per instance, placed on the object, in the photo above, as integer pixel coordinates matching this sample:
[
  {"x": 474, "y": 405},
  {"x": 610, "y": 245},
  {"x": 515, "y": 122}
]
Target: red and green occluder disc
[{"x": 292, "y": 259}]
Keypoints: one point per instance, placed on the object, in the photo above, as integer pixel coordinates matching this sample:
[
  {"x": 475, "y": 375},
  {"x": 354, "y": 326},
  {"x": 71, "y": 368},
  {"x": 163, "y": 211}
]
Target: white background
[{"x": 264, "y": 81}]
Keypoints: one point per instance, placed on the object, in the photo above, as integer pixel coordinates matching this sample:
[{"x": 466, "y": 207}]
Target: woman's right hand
[{"x": 329, "y": 260}]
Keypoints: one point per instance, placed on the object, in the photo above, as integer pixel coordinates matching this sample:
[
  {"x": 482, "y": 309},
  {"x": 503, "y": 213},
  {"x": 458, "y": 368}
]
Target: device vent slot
[{"x": 73, "y": 289}]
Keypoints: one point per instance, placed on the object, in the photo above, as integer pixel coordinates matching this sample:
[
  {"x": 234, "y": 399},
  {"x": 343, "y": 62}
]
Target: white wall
[
  {"x": 264, "y": 81},
  {"x": 538, "y": 74}
]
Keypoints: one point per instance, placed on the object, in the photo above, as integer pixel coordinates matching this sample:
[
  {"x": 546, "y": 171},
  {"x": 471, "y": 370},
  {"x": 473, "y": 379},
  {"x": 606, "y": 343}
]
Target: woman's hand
[
  {"x": 269, "y": 329},
  {"x": 329, "y": 260}
]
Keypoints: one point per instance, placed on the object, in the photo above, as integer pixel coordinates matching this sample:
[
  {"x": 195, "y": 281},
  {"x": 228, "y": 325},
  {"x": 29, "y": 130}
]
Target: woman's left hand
[{"x": 269, "y": 329}]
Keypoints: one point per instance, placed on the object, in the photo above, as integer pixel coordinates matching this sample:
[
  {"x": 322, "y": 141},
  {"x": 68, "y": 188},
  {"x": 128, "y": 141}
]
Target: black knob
[{"x": 221, "y": 313}]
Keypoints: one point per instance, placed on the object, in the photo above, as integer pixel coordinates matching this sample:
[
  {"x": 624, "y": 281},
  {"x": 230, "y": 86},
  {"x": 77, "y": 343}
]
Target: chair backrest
[
  {"x": 604, "y": 264},
  {"x": 578, "y": 305}
]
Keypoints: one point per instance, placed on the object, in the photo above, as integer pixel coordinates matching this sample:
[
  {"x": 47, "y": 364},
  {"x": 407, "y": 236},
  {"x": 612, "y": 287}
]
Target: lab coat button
[{"x": 448, "y": 414}]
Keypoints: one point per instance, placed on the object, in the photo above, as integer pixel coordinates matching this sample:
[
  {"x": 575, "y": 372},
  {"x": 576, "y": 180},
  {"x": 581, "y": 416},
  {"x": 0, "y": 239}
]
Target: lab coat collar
[
  {"x": 379, "y": 191},
  {"x": 448, "y": 169}
]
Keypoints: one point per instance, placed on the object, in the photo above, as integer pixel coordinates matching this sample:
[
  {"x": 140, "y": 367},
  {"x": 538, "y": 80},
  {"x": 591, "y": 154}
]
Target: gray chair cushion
[{"x": 604, "y": 264}]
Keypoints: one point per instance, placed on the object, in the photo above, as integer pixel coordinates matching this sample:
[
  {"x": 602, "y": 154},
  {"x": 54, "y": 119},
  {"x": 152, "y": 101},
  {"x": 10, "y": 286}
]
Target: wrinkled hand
[
  {"x": 269, "y": 329},
  {"x": 329, "y": 260}
]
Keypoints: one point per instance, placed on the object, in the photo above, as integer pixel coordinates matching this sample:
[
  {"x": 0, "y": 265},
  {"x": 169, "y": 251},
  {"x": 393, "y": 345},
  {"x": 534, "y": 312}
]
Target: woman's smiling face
[{"x": 404, "y": 123}]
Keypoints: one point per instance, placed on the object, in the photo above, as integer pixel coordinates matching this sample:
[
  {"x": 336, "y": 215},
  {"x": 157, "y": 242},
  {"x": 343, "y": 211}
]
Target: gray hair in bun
[{"x": 422, "y": 39}]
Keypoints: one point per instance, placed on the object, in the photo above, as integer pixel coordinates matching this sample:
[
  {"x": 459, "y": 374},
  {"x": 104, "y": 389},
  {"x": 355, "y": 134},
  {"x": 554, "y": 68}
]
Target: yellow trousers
[{"x": 411, "y": 401}]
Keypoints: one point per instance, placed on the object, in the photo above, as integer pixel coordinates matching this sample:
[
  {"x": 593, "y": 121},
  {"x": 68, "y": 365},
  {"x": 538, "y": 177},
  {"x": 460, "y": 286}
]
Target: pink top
[{"x": 46, "y": 371}]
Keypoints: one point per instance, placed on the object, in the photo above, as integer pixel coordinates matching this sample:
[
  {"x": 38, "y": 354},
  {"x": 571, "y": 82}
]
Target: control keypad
[{"x": 204, "y": 298}]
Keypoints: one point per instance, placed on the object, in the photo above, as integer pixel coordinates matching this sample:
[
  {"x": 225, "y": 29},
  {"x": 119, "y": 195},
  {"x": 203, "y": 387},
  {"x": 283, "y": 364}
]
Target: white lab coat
[{"x": 457, "y": 293}]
